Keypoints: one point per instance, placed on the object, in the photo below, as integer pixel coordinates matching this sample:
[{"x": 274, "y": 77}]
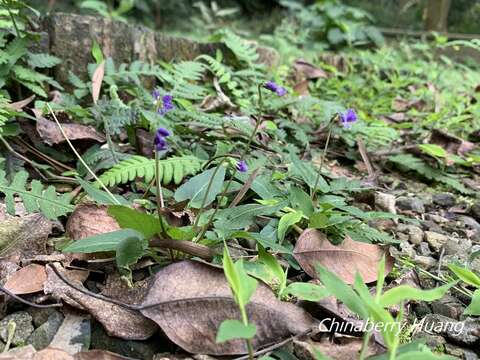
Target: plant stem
[
  {"x": 322, "y": 160},
  {"x": 109, "y": 139},
  {"x": 158, "y": 185},
  {"x": 243, "y": 312},
  {"x": 17, "y": 31},
  {"x": 366, "y": 339},
  {"x": 247, "y": 147},
  {"x": 80, "y": 158},
  {"x": 204, "y": 200}
]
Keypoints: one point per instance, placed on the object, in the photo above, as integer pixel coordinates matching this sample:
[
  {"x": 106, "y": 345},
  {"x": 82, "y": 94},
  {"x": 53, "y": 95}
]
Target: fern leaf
[
  {"x": 175, "y": 168},
  {"x": 38, "y": 199},
  {"x": 42, "y": 60}
]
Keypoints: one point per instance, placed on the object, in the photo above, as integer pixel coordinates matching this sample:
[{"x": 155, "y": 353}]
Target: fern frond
[
  {"x": 37, "y": 199},
  {"x": 243, "y": 50},
  {"x": 42, "y": 60},
  {"x": 172, "y": 169}
]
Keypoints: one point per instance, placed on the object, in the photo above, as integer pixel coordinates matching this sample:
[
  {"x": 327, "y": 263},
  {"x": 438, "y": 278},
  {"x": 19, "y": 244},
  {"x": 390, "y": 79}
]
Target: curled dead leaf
[
  {"x": 117, "y": 321},
  {"x": 196, "y": 299},
  {"x": 345, "y": 260},
  {"x": 97, "y": 79},
  {"x": 88, "y": 220},
  {"x": 27, "y": 280},
  {"x": 51, "y": 134}
]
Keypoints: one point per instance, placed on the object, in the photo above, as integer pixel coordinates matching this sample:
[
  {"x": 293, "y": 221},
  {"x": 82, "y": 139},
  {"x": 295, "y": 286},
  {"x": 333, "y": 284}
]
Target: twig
[
  {"x": 363, "y": 153},
  {"x": 80, "y": 158},
  {"x": 26, "y": 302},
  {"x": 20, "y": 156},
  {"x": 241, "y": 193}
]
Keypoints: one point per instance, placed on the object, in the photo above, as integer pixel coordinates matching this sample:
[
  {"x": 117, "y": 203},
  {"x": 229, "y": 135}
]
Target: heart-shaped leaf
[
  {"x": 345, "y": 259},
  {"x": 195, "y": 300}
]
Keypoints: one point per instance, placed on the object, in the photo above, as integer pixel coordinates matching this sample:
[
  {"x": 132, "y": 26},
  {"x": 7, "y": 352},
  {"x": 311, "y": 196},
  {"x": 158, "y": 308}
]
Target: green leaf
[
  {"x": 102, "y": 242},
  {"x": 423, "y": 355},
  {"x": 100, "y": 196},
  {"x": 241, "y": 216},
  {"x": 465, "y": 275},
  {"x": 129, "y": 218},
  {"x": 342, "y": 291},
  {"x": 474, "y": 307},
  {"x": 37, "y": 199},
  {"x": 285, "y": 222},
  {"x": 405, "y": 292},
  {"x": 307, "y": 291},
  {"x": 247, "y": 284},
  {"x": 319, "y": 220},
  {"x": 274, "y": 266},
  {"x": 433, "y": 150},
  {"x": 301, "y": 200},
  {"x": 234, "y": 329},
  {"x": 129, "y": 251},
  {"x": 97, "y": 53},
  {"x": 196, "y": 188}
]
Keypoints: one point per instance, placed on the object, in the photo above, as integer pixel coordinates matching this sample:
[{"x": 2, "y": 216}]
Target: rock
[
  {"x": 23, "y": 329},
  {"x": 448, "y": 306},
  {"x": 425, "y": 262},
  {"x": 143, "y": 350},
  {"x": 43, "y": 335},
  {"x": 444, "y": 199},
  {"x": 385, "y": 202},
  {"x": 437, "y": 218},
  {"x": 40, "y": 316},
  {"x": 73, "y": 335},
  {"x": 435, "y": 240},
  {"x": 463, "y": 333},
  {"x": 475, "y": 210},
  {"x": 17, "y": 237},
  {"x": 415, "y": 234},
  {"x": 458, "y": 246},
  {"x": 71, "y": 38},
  {"x": 421, "y": 309},
  {"x": 423, "y": 249},
  {"x": 435, "y": 342},
  {"x": 410, "y": 203},
  {"x": 454, "y": 351},
  {"x": 406, "y": 249}
]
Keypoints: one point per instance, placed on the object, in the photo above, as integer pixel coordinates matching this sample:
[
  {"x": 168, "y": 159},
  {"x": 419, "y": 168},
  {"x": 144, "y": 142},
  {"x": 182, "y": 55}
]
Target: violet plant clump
[{"x": 274, "y": 87}]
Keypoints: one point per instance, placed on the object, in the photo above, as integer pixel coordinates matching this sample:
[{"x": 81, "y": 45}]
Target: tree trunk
[{"x": 436, "y": 15}]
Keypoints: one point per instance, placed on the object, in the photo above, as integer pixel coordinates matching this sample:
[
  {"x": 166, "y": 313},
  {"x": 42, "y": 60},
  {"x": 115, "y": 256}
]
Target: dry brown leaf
[
  {"x": 51, "y": 134},
  {"x": 451, "y": 143},
  {"x": 52, "y": 354},
  {"x": 342, "y": 348},
  {"x": 199, "y": 299},
  {"x": 27, "y": 280},
  {"x": 99, "y": 355},
  {"x": 304, "y": 69},
  {"x": 301, "y": 88},
  {"x": 88, "y": 220},
  {"x": 345, "y": 260},
  {"x": 117, "y": 321},
  {"x": 19, "y": 105},
  {"x": 97, "y": 79},
  {"x": 20, "y": 353}
]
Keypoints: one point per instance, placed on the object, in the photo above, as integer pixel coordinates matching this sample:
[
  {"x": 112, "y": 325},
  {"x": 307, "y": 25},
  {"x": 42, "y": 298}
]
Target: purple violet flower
[
  {"x": 167, "y": 104},
  {"x": 242, "y": 166},
  {"x": 348, "y": 117},
  {"x": 156, "y": 94},
  {"x": 274, "y": 87},
  {"x": 159, "y": 141}
]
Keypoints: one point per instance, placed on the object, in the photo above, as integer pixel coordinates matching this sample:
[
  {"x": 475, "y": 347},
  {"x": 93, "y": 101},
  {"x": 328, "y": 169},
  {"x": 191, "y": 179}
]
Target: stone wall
[{"x": 71, "y": 36}]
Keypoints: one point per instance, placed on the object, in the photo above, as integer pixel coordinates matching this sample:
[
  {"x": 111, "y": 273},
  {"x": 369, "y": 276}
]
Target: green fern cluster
[
  {"x": 19, "y": 65},
  {"x": 37, "y": 199},
  {"x": 173, "y": 169}
]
